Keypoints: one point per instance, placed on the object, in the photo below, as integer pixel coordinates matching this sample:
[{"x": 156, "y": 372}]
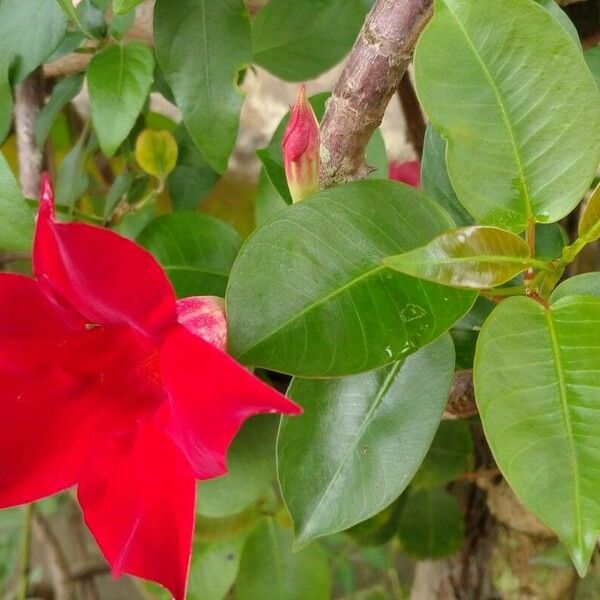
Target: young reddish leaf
[{"x": 471, "y": 257}]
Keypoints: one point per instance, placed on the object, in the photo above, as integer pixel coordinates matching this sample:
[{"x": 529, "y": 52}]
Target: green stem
[{"x": 25, "y": 553}]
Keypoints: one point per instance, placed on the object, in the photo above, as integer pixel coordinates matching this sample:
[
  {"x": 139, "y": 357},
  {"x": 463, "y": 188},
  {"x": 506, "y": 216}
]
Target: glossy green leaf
[
  {"x": 550, "y": 239},
  {"x": 270, "y": 567},
  {"x": 64, "y": 91},
  {"x": 537, "y": 388},
  {"x": 251, "y": 469},
  {"x": 471, "y": 257},
  {"x": 195, "y": 250},
  {"x": 308, "y": 294},
  {"x": 523, "y": 127},
  {"x": 16, "y": 217},
  {"x": 298, "y": 40},
  {"x": 6, "y": 102},
  {"x": 119, "y": 79},
  {"x": 202, "y": 46},
  {"x": 586, "y": 284},
  {"x": 431, "y": 525},
  {"x": 589, "y": 224},
  {"x": 69, "y": 8},
  {"x": 120, "y": 7},
  {"x": 339, "y": 463},
  {"x": 156, "y": 152},
  {"x": 29, "y": 33},
  {"x": 435, "y": 180},
  {"x": 450, "y": 455}
]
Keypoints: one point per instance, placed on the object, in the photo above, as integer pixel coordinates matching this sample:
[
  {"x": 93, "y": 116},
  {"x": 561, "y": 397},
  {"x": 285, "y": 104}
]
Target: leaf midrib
[
  {"x": 564, "y": 404},
  {"x": 507, "y": 123},
  {"x": 383, "y": 390},
  {"x": 311, "y": 306}
]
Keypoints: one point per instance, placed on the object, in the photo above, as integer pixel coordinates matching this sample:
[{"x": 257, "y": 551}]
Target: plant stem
[{"x": 25, "y": 552}]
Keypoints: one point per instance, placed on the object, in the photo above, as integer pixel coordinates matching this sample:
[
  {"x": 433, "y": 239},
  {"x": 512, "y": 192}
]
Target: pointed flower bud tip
[
  {"x": 46, "y": 197},
  {"x": 300, "y": 148}
]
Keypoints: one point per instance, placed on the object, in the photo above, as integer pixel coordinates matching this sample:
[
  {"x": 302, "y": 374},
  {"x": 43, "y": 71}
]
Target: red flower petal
[
  {"x": 138, "y": 499},
  {"x": 32, "y": 325},
  {"x": 204, "y": 316},
  {"x": 406, "y": 172},
  {"x": 210, "y": 397},
  {"x": 109, "y": 279}
]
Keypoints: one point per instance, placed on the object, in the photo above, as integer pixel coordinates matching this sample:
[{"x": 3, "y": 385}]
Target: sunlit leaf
[
  {"x": 589, "y": 224},
  {"x": 471, "y": 257},
  {"x": 537, "y": 388},
  {"x": 156, "y": 152}
]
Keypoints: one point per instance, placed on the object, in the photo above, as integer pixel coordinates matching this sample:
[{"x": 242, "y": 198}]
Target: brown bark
[
  {"x": 370, "y": 77},
  {"x": 415, "y": 121},
  {"x": 29, "y": 97}
]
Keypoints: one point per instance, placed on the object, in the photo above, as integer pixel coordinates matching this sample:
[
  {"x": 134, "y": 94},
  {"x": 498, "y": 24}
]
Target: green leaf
[
  {"x": 466, "y": 332},
  {"x": 380, "y": 528},
  {"x": 10, "y": 537},
  {"x": 251, "y": 468},
  {"x": 537, "y": 388},
  {"x": 195, "y": 250},
  {"x": 121, "y": 23},
  {"x": 202, "y": 46},
  {"x": 471, "y": 257},
  {"x": 29, "y": 32},
  {"x": 6, "y": 102},
  {"x": 586, "y": 284},
  {"x": 308, "y": 294},
  {"x": 64, "y": 91},
  {"x": 16, "y": 218},
  {"x": 67, "y": 6},
  {"x": 563, "y": 19},
  {"x": 214, "y": 569},
  {"x": 268, "y": 201},
  {"x": 156, "y": 152},
  {"x": 450, "y": 455},
  {"x": 91, "y": 15},
  {"x": 522, "y": 127},
  {"x": 592, "y": 58},
  {"x": 120, "y": 7},
  {"x": 269, "y": 566},
  {"x": 338, "y": 464},
  {"x": 119, "y": 79},
  {"x": 435, "y": 180},
  {"x": 298, "y": 40},
  {"x": 431, "y": 525},
  {"x": 550, "y": 240},
  {"x": 73, "y": 180},
  {"x": 589, "y": 224},
  {"x": 117, "y": 193}
]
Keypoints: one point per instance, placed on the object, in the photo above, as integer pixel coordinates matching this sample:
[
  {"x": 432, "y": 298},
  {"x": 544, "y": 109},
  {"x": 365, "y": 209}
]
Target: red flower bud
[
  {"x": 406, "y": 172},
  {"x": 300, "y": 148}
]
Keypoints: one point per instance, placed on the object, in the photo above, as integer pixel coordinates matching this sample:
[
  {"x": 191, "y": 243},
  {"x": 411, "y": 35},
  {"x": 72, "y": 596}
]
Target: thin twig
[{"x": 370, "y": 77}]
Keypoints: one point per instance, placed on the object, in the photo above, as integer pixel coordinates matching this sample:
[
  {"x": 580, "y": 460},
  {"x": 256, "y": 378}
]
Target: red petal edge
[
  {"x": 210, "y": 396},
  {"x": 138, "y": 500},
  {"x": 107, "y": 278}
]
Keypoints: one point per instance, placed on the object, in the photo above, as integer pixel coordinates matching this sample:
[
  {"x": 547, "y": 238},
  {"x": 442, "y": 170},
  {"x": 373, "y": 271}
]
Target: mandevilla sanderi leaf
[
  {"x": 308, "y": 294},
  {"x": 339, "y": 464},
  {"x": 523, "y": 131},
  {"x": 537, "y": 386},
  {"x": 471, "y": 257}
]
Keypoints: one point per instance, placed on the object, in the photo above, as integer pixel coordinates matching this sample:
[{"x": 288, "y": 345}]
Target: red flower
[
  {"x": 406, "y": 172},
  {"x": 300, "y": 147},
  {"x": 107, "y": 383}
]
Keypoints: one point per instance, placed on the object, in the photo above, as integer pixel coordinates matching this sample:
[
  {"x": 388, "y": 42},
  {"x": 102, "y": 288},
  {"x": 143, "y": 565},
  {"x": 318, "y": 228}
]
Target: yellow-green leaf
[
  {"x": 589, "y": 225},
  {"x": 156, "y": 152}
]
